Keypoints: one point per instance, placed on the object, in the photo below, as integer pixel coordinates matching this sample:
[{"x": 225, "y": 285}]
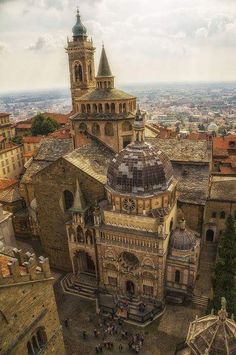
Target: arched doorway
[
  {"x": 210, "y": 235},
  {"x": 83, "y": 262},
  {"x": 130, "y": 289}
]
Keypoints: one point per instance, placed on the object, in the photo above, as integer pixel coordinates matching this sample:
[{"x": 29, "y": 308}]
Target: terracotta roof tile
[
  {"x": 32, "y": 139},
  {"x": 6, "y": 183}
]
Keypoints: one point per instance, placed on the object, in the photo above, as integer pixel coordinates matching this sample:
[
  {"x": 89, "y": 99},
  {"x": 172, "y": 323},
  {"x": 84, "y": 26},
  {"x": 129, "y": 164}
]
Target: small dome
[
  {"x": 212, "y": 127},
  {"x": 140, "y": 169},
  {"x": 79, "y": 29},
  {"x": 182, "y": 238}
]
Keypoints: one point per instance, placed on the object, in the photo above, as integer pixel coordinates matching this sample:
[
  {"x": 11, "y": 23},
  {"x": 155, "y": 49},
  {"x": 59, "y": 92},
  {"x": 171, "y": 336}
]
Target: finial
[
  {"x": 102, "y": 44},
  {"x": 223, "y": 303},
  {"x": 222, "y": 312}
]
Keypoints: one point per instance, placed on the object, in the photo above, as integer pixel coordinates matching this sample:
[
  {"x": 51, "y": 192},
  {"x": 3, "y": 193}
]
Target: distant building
[
  {"x": 23, "y": 128},
  {"x": 221, "y": 202},
  {"x": 30, "y": 144},
  {"x": 224, "y": 155},
  {"x": 7, "y": 236},
  {"x": 29, "y": 322},
  {"x": 7, "y": 128},
  {"x": 60, "y": 118},
  {"x": 11, "y": 161}
]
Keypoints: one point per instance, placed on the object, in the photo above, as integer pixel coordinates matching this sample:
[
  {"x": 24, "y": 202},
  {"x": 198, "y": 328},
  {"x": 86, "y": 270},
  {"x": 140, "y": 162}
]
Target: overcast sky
[{"x": 145, "y": 40}]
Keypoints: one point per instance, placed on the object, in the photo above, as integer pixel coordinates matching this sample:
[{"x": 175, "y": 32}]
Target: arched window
[
  {"x": 210, "y": 235},
  {"x": 82, "y": 127},
  {"x": 222, "y": 214},
  {"x": 90, "y": 72},
  {"x": 107, "y": 108},
  {"x": 213, "y": 215},
  {"x": 109, "y": 131},
  {"x": 113, "y": 108},
  {"x": 105, "y": 85},
  {"x": 80, "y": 235},
  {"x": 95, "y": 108},
  {"x": 78, "y": 72},
  {"x": 100, "y": 108},
  {"x": 177, "y": 276},
  {"x": 124, "y": 107},
  {"x": 120, "y": 108},
  {"x": 96, "y": 129},
  {"x": 109, "y": 84},
  {"x": 68, "y": 199},
  {"x": 126, "y": 126},
  {"x": 88, "y": 108},
  {"x": 37, "y": 341}
]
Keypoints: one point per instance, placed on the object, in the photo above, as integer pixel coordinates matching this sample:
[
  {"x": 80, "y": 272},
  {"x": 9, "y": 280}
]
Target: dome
[
  {"x": 140, "y": 169},
  {"x": 182, "y": 238},
  {"x": 212, "y": 127},
  {"x": 79, "y": 29}
]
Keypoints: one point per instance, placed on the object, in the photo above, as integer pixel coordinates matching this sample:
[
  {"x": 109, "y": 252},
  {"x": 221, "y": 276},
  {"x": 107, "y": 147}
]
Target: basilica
[
  {"x": 131, "y": 241},
  {"x": 110, "y": 209}
]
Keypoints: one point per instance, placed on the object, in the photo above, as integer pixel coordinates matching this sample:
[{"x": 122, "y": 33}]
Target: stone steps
[
  {"x": 73, "y": 286},
  {"x": 200, "y": 301}
]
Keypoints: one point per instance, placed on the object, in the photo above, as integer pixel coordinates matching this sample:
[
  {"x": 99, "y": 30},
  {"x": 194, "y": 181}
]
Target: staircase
[
  {"x": 200, "y": 301},
  {"x": 84, "y": 285},
  {"x": 203, "y": 288}
]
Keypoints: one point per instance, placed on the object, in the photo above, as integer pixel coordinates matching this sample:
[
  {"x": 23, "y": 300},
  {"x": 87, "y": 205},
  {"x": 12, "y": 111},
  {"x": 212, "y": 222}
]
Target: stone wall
[
  {"x": 27, "y": 305},
  {"x": 49, "y": 187}
]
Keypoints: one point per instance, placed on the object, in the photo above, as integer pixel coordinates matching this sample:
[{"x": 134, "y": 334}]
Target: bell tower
[{"x": 81, "y": 62}]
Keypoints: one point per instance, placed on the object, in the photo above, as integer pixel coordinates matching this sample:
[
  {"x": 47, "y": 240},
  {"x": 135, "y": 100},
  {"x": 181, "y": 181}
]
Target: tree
[
  {"x": 224, "y": 280},
  {"x": 43, "y": 125}
]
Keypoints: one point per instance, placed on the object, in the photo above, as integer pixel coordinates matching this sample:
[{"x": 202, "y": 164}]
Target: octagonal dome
[
  {"x": 182, "y": 238},
  {"x": 140, "y": 169}
]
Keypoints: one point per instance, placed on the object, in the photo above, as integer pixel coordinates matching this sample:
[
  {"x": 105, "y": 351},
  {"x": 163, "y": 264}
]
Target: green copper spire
[
  {"x": 104, "y": 67},
  {"x": 79, "y": 29}
]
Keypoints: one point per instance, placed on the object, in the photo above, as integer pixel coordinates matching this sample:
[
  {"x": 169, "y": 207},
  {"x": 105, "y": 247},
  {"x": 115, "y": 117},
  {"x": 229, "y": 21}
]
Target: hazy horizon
[{"x": 164, "y": 41}]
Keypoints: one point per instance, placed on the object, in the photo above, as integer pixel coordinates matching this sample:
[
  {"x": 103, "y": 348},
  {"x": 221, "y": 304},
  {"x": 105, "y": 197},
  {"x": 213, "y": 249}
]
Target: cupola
[{"x": 79, "y": 30}]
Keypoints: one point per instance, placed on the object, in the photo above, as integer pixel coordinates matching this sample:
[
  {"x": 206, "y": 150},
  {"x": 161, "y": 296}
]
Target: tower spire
[{"x": 104, "y": 67}]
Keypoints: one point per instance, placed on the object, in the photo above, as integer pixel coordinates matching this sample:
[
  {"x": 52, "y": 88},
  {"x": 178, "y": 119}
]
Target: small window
[
  {"x": 109, "y": 131},
  {"x": 96, "y": 129},
  {"x": 82, "y": 127},
  {"x": 177, "y": 276},
  {"x": 222, "y": 214},
  {"x": 68, "y": 199}
]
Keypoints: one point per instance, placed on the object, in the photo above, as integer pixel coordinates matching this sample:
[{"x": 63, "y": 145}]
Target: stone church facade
[{"x": 108, "y": 209}]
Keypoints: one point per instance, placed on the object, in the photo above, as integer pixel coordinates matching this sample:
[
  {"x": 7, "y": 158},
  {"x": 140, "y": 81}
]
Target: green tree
[
  {"x": 224, "y": 280},
  {"x": 43, "y": 125}
]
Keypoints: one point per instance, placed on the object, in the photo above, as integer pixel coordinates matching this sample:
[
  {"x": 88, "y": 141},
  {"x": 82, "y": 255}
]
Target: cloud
[
  {"x": 47, "y": 42},
  {"x": 3, "y": 47}
]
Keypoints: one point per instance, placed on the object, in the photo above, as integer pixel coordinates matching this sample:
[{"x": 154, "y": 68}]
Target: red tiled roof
[
  {"x": 61, "y": 134},
  {"x": 23, "y": 125},
  {"x": 59, "y": 117},
  {"x": 32, "y": 139},
  {"x": 223, "y": 142},
  {"x": 28, "y": 154},
  {"x": 4, "y": 114},
  {"x": 6, "y": 183}
]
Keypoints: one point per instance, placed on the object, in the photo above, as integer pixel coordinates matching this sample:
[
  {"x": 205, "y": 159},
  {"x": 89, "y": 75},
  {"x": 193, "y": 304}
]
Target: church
[{"x": 107, "y": 209}]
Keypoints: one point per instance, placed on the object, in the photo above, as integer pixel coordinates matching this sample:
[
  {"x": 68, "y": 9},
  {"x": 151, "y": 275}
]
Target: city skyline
[{"x": 172, "y": 41}]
